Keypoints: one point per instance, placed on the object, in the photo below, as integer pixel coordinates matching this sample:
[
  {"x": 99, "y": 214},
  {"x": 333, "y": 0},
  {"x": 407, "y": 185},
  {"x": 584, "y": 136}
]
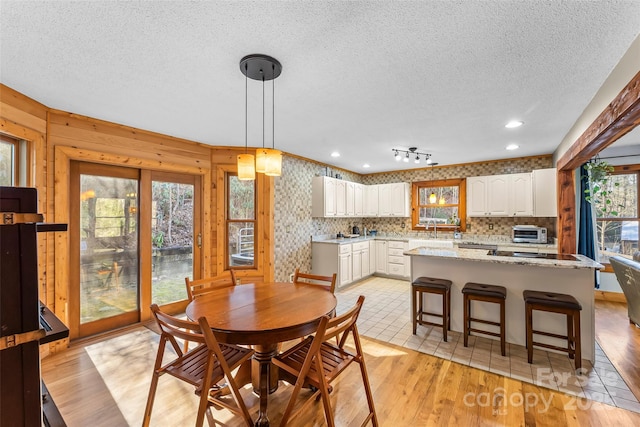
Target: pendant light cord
[
  {"x": 246, "y": 108},
  {"x": 273, "y": 107},
  {"x": 262, "y": 72}
]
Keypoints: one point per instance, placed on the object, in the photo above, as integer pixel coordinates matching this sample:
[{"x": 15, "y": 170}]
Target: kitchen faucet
[{"x": 435, "y": 227}]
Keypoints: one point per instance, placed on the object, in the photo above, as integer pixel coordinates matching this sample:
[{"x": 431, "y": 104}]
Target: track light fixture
[{"x": 397, "y": 154}]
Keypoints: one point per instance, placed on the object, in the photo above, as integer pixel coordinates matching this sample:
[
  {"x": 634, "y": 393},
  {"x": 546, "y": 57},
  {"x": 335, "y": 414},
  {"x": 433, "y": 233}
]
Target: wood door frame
[
  {"x": 63, "y": 155},
  {"x": 619, "y": 118},
  {"x": 113, "y": 322},
  {"x": 148, "y": 177}
]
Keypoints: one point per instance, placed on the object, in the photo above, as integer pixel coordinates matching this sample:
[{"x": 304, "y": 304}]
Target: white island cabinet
[{"x": 574, "y": 277}]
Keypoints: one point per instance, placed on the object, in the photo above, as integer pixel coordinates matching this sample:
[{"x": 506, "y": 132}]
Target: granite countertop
[
  {"x": 481, "y": 255},
  {"x": 347, "y": 240}
]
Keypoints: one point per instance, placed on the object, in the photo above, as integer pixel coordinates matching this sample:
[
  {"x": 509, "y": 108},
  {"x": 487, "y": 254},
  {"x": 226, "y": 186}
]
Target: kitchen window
[
  {"x": 618, "y": 234},
  {"x": 441, "y": 202},
  {"x": 240, "y": 222}
]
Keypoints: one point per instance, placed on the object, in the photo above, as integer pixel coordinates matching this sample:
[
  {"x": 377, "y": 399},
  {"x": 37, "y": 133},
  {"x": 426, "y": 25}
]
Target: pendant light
[
  {"x": 261, "y": 153},
  {"x": 246, "y": 167},
  {"x": 274, "y": 157},
  {"x": 263, "y": 67},
  {"x": 432, "y": 197}
]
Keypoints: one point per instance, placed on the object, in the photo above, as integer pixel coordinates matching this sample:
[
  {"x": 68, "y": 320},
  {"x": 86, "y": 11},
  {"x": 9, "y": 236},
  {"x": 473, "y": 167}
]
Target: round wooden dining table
[{"x": 263, "y": 315}]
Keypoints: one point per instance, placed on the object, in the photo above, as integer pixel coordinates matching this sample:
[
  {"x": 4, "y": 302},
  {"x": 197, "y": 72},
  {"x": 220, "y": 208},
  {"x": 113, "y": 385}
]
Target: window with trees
[
  {"x": 618, "y": 223},
  {"x": 9, "y": 161},
  {"x": 441, "y": 202},
  {"x": 241, "y": 222}
]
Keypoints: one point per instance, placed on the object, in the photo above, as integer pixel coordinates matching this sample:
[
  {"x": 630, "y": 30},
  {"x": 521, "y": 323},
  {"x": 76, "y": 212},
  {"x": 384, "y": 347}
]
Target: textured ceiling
[{"x": 360, "y": 78}]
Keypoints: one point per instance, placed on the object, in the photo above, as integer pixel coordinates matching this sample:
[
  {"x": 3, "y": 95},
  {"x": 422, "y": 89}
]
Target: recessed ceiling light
[
  {"x": 366, "y": 165},
  {"x": 513, "y": 147},
  {"x": 514, "y": 124},
  {"x": 335, "y": 154}
]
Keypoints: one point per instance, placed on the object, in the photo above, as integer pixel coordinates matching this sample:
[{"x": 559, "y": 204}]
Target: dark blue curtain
[
  {"x": 586, "y": 226},
  {"x": 586, "y": 239}
]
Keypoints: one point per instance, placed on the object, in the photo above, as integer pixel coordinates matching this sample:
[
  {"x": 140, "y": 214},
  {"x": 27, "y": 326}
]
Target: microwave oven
[{"x": 528, "y": 234}]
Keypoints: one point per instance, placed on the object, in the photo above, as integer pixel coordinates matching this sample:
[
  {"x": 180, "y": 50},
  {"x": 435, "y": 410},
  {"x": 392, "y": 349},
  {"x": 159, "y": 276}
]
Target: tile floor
[{"x": 386, "y": 317}]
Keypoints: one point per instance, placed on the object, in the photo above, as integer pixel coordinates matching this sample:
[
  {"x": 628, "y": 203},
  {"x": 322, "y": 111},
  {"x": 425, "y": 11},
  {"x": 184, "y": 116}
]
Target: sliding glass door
[{"x": 134, "y": 239}]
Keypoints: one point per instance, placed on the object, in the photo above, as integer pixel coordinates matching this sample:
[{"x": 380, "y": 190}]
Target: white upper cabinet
[
  {"x": 350, "y": 198},
  {"x": 521, "y": 195},
  {"x": 477, "y": 196},
  {"x": 341, "y": 197},
  {"x": 370, "y": 200},
  {"x": 500, "y": 195},
  {"x": 358, "y": 199},
  {"x": 394, "y": 200},
  {"x": 545, "y": 198},
  {"x": 323, "y": 200},
  {"x": 337, "y": 198}
]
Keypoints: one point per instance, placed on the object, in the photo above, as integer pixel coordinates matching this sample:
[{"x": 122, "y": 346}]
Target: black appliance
[{"x": 24, "y": 322}]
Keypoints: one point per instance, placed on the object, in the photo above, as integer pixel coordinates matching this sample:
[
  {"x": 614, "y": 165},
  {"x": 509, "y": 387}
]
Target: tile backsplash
[{"x": 294, "y": 226}]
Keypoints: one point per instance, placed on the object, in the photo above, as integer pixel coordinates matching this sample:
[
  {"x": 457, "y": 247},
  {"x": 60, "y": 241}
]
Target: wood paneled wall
[{"x": 58, "y": 137}]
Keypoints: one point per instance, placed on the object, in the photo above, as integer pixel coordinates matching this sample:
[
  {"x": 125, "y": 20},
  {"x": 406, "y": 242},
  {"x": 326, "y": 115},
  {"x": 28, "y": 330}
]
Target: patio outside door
[{"x": 133, "y": 235}]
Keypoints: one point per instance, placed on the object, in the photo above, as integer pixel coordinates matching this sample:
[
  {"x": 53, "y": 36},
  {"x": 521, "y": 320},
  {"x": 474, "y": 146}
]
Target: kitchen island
[{"x": 573, "y": 275}]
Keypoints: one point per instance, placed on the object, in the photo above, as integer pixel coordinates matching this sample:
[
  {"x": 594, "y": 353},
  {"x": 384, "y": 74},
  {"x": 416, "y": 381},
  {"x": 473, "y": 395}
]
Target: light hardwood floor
[{"x": 104, "y": 382}]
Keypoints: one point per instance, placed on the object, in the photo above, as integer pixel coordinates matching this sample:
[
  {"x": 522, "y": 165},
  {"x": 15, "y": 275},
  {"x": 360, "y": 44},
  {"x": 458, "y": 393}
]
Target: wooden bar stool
[
  {"x": 484, "y": 293},
  {"x": 430, "y": 285},
  {"x": 554, "y": 303}
]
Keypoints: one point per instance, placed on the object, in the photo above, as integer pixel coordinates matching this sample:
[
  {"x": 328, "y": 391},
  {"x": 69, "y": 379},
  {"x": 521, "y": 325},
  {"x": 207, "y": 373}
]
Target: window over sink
[{"x": 440, "y": 202}]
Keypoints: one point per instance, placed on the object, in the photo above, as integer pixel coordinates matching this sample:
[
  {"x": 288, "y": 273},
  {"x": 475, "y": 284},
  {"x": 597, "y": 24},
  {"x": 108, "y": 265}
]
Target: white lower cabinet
[
  {"x": 396, "y": 261},
  {"x": 351, "y": 262},
  {"x": 372, "y": 257},
  {"x": 345, "y": 269},
  {"x": 381, "y": 256},
  {"x": 360, "y": 260}
]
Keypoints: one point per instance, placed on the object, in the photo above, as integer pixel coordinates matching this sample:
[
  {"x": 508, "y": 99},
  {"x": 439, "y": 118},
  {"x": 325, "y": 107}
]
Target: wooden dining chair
[
  {"x": 240, "y": 277},
  {"x": 317, "y": 362},
  {"x": 327, "y": 282},
  {"x": 199, "y": 287},
  {"x": 203, "y": 367},
  {"x": 202, "y": 286}
]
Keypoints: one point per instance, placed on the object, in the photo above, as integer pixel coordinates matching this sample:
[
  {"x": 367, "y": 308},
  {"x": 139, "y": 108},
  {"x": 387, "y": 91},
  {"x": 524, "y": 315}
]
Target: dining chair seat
[
  {"x": 317, "y": 362},
  {"x": 204, "y": 367}
]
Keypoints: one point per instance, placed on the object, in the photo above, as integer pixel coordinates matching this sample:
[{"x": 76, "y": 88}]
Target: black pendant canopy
[{"x": 256, "y": 65}]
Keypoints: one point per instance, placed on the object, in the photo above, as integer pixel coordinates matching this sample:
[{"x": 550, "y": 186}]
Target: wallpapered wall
[{"x": 294, "y": 227}]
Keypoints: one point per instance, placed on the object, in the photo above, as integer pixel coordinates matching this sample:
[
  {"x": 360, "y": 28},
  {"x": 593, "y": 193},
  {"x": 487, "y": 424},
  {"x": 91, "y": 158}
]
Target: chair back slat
[
  {"x": 202, "y": 286},
  {"x": 341, "y": 325},
  {"x": 178, "y": 328},
  {"x": 327, "y": 282}
]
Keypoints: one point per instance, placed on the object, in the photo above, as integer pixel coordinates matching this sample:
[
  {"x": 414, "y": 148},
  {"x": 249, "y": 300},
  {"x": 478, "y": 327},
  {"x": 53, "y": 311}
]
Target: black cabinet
[{"x": 21, "y": 329}]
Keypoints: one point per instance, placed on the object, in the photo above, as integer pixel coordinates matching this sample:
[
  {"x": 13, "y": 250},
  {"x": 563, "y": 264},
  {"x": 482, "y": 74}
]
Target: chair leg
[
  {"x": 324, "y": 392},
  {"x": 466, "y": 320},
  {"x": 570, "y": 337},
  {"x": 502, "y": 329},
  {"x": 414, "y": 314},
  {"x": 529, "y": 327},
  {"x": 577, "y": 340},
  {"x": 448, "y": 310},
  {"x": 445, "y": 313},
  {"x": 367, "y": 390},
  {"x": 150, "y": 399}
]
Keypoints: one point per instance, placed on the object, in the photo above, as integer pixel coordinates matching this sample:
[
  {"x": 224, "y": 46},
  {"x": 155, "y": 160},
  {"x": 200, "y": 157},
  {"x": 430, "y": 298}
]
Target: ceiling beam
[{"x": 619, "y": 118}]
